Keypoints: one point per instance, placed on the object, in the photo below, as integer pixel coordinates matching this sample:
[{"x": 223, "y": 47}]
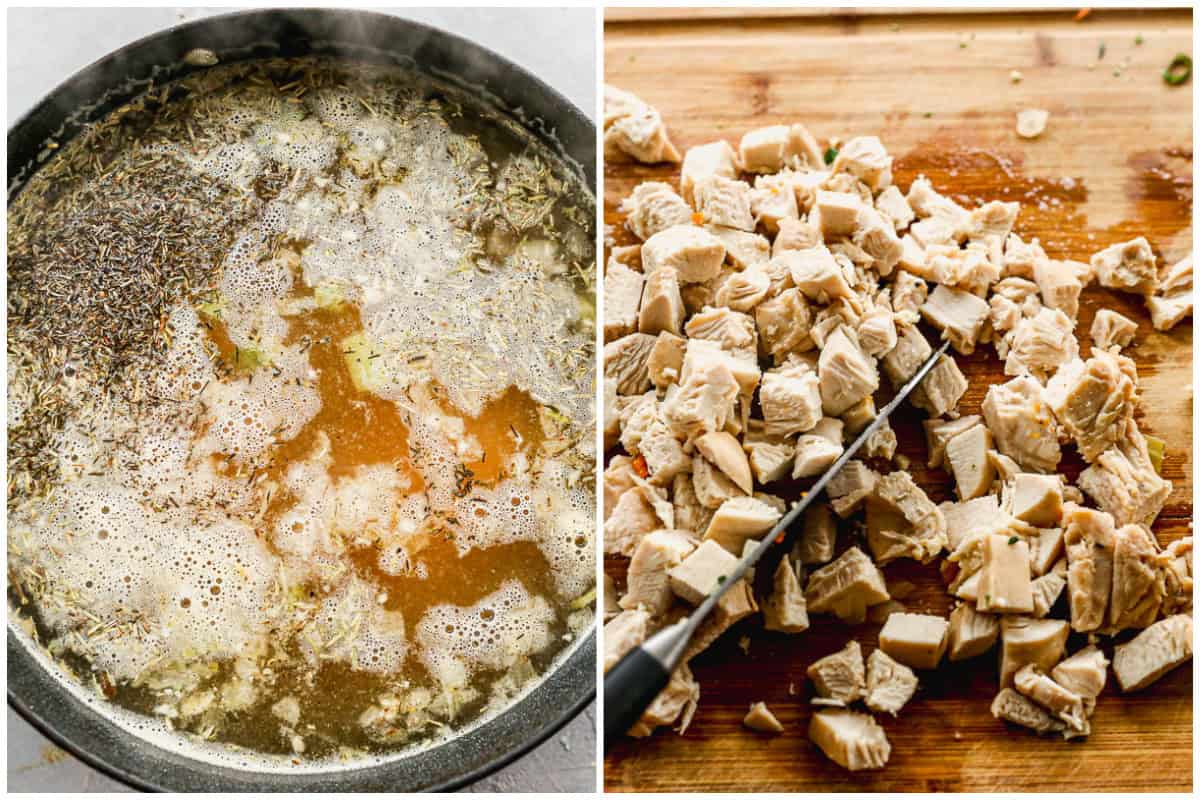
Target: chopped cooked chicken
[
  {"x": 611, "y": 609},
  {"x": 818, "y": 537},
  {"x": 890, "y": 684},
  {"x": 1058, "y": 700},
  {"x": 625, "y": 361},
  {"x": 849, "y": 738},
  {"x": 839, "y": 678},
  {"x": 785, "y": 609},
  {"x": 918, "y": 640},
  {"x": 723, "y": 201},
  {"x": 744, "y": 290},
  {"x": 790, "y": 397},
  {"x": 1137, "y": 582},
  {"x": 711, "y": 486},
  {"x": 1026, "y": 640},
  {"x": 704, "y": 161},
  {"x": 725, "y": 452},
  {"x": 817, "y": 274},
  {"x": 882, "y": 443},
  {"x": 846, "y": 587},
  {"x": 772, "y": 148},
  {"x": 676, "y": 702},
  {"x": 662, "y": 305},
  {"x": 1093, "y": 400},
  {"x": 772, "y": 200},
  {"x": 770, "y": 461},
  {"x": 909, "y": 293},
  {"x": 695, "y": 253},
  {"x": 877, "y": 331},
  {"x": 1031, "y": 122},
  {"x": 638, "y": 511},
  {"x": 648, "y": 584},
  {"x": 622, "y": 633},
  {"x": 857, "y": 417},
  {"x": 1040, "y": 344},
  {"x": 927, "y": 202},
  {"x": 958, "y": 315},
  {"x": 742, "y": 248},
  {"x": 1124, "y": 482},
  {"x": 666, "y": 360},
  {"x": 701, "y": 571},
  {"x": 1036, "y": 499},
  {"x": 1173, "y": 301},
  {"x": 1084, "y": 673},
  {"x": 966, "y": 453},
  {"x": 1011, "y": 706},
  {"x": 1016, "y": 414},
  {"x": 1129, "y": 266},
  {"x": 850, "y": 488},
  {"x": 971, "y": 633},
  {"x": 618, "y": 476},
  {"x": 836, "y": 213},
  {"x": 938, "y": 432},
  {"x": 877, "y": 238},
  {"x": 735, "y": 605},
  {"x": 1088, "y": 536},
  {"x": 968, "y": 517},
  {"x": 1153, "y": 653},
  {"x": 1047, "y": 588},
  {"x": 731, "y": 330},
  {"x": 865, "y": 158},
  {"x": 783, "y": 323},
  {"x": 814, "y": 454},
  {"x": 653, "y": 207},
  {"x": 795, "y": 234},
  {"x": 739, "y": 519},
  {"x": 902, "y": 522},
  {"x": 891, "y": 203},
  {"x": 690, "y": 513},
  {"x": 663, "y": 454},
  {"x": 1177, "y": 576},
  {"x": 760, "y": 718},
  {"x": 847, "y": 375},
  {"x": 1060, "y": 286},
  {"x": 705, "y": 400},
  {"x": 622, "y": 295},
  {"x": 1005, "y": 585},
  {"x": 636, "y": 129},
  {"x": 1048, "y": 551}
]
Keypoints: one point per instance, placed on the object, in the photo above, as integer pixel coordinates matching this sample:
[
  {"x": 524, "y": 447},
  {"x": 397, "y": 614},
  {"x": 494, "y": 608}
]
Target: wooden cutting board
[{"x": 1114, "y": 163}]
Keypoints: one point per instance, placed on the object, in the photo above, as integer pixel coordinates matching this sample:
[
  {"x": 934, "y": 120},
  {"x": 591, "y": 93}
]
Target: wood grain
[{"x": 1114, "y": 163}]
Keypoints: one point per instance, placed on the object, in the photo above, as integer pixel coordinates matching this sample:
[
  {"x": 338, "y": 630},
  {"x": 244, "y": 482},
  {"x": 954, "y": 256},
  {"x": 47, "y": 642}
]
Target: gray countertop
[{"x": 565, "y": 58}]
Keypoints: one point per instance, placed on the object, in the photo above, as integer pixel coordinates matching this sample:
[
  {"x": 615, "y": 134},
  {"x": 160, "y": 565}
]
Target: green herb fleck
[
  {"x": 720, "y": 580},
  {"x": 830, "y": 155},
  {"x": 1013, "y": 539},
  {"x": 1102, "y": 51},
  {"x": 1179, "y": 71},
  {"x": 1137, "y": 40}
]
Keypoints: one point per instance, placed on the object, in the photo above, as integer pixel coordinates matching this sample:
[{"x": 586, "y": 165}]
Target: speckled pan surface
[{"x": 42, "y": 698}]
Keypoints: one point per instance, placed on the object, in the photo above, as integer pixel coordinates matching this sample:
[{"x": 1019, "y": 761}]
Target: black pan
[{"x": 89, "y": 95}]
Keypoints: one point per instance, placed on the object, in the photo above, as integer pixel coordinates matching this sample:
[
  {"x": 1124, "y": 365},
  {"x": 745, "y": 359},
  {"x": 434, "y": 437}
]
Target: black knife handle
[{"x": 629, "y": 688}]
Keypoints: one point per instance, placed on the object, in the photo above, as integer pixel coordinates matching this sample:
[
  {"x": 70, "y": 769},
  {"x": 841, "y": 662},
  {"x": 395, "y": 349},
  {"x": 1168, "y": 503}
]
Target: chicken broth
[{"x": 301, "y": 413}]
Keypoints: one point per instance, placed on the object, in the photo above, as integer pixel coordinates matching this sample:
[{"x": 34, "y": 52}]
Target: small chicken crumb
[
  {"x": 1015, "y": 76},
  {"x": 1031, "y": 122},
  {"x": 760, "y": 718}
]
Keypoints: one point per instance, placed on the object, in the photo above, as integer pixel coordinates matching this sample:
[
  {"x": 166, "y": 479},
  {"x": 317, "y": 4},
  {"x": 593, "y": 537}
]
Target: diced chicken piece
[
  {"x": 891, "y": 203},
  {"x": 836, "y": 213},
  {"x": 744, "y": 290},
  {"x": 622, "y": 294},
  {"x": 705, "y": 161},
  {"x": 734, "y": 606},
  {"x": 1011, "y": 706},
  {"x": 865, "y": 158},
  {"x": 1088, "y": 536},
  {"x": 1007, "y": 469},
  {"x": 988, "y": 228},
  {"x": 733, "y": 331},
  {"x": 742, "y": 248},
  {"x": 772, "y": 148},
  {"x": 785, "y": 610},
  {"x": 876, "y": 236},
  {"x": 913, "y": 259},
  {"x": 639, "y": 511},
  {"x": 850, "y": 488},
  {"x": 1137, "y": 582},
  {"x": 725, "y": 452},
  {"x": 1153, "y": 653},
  {"x": 902, "y": 522},
  {"x": 783, "y": 323},
  {"x": 695, "y": 253},
  {"x": 942, "y": 388},
  {"x": 966, "y": 453},
  {"x": 648, "y": 584},
  {"x": 964, "y": 518},
  {"x": 1083, "y": 673},
  {"x": 662, "y": 305},
  {"x": 968, "y": 270},
  {"x": 877, "y": 332},
  {"x": 1167, "y": 312},
  {"x": 702, "y": 571},
  {"x": 971, "y": 633},
  {"x": 890, "y": 684},
  {"x": 739, "y": 519},
  {"x": 759, "y": 718},
  {"x": 663, "y": 453},
  {"x": 1016, "y": 414},
  {"x": 1025, "y": 640},
  {"x": 1040, "y": 344},
  {"x": 619, "y": 103},
  {"x": 839, "y": 678},
  {"x": 612, "y": 414},
  {"x": 1093, "y": 400},
  {"x": 790, "y": 399},
  {"x": 611, "y": 609},
  {"x": 814, "y": 454},
  {"x": 625, "y": 361},
  {"x": 858, "y": 416},
  {"x": 665, "y": 361},
  {"x": 882, "y": 443},
  {"x": 705, "y": 400},
  {"x": 653, "y": 207},
  {"x": 640, "y": 134},
  {"x": 618, "y": 477},
  {"x": 918, "y": 640},
  {"x": 846, "y": 587},
  {"x": 1036, "y": 499},
  {"x": 938, "y": 432},
  {"x": 772, "y": 201},
  {"x": 1020, "y": 256},
  {"x": 1049, "y": 550},
  {"x": 679, "y": 698},
  {"x": 1177, "y": 576},
  {"x": 724, "y": 201},
  {"x": 817, "y": 274},
  {"x": 818, "y": 537},
  {"x": 849, "y": 738},
  {"x": 690, "y": 513},
  {"x": 1129, "y": 267},
  {"x": 1004, "y": 581},
  {"x": 770, "y": 461},
  {"x": 622, "y": 633},
  {"x": 847, "y": 375},
  {"x": 1059, "y": 285},
  {"x": 1046, "y": 590},
  {"x": 711, "y": 486},
  {"x": 1124, "y": 483},
  {"x": 927, "y": 202},
  {"x": 637, "y": 415},
  {"x": 958, "y": 315}
]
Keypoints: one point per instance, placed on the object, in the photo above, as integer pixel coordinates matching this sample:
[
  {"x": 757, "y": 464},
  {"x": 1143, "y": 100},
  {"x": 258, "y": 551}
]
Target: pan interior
[{"x": 301, "y": 413}]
